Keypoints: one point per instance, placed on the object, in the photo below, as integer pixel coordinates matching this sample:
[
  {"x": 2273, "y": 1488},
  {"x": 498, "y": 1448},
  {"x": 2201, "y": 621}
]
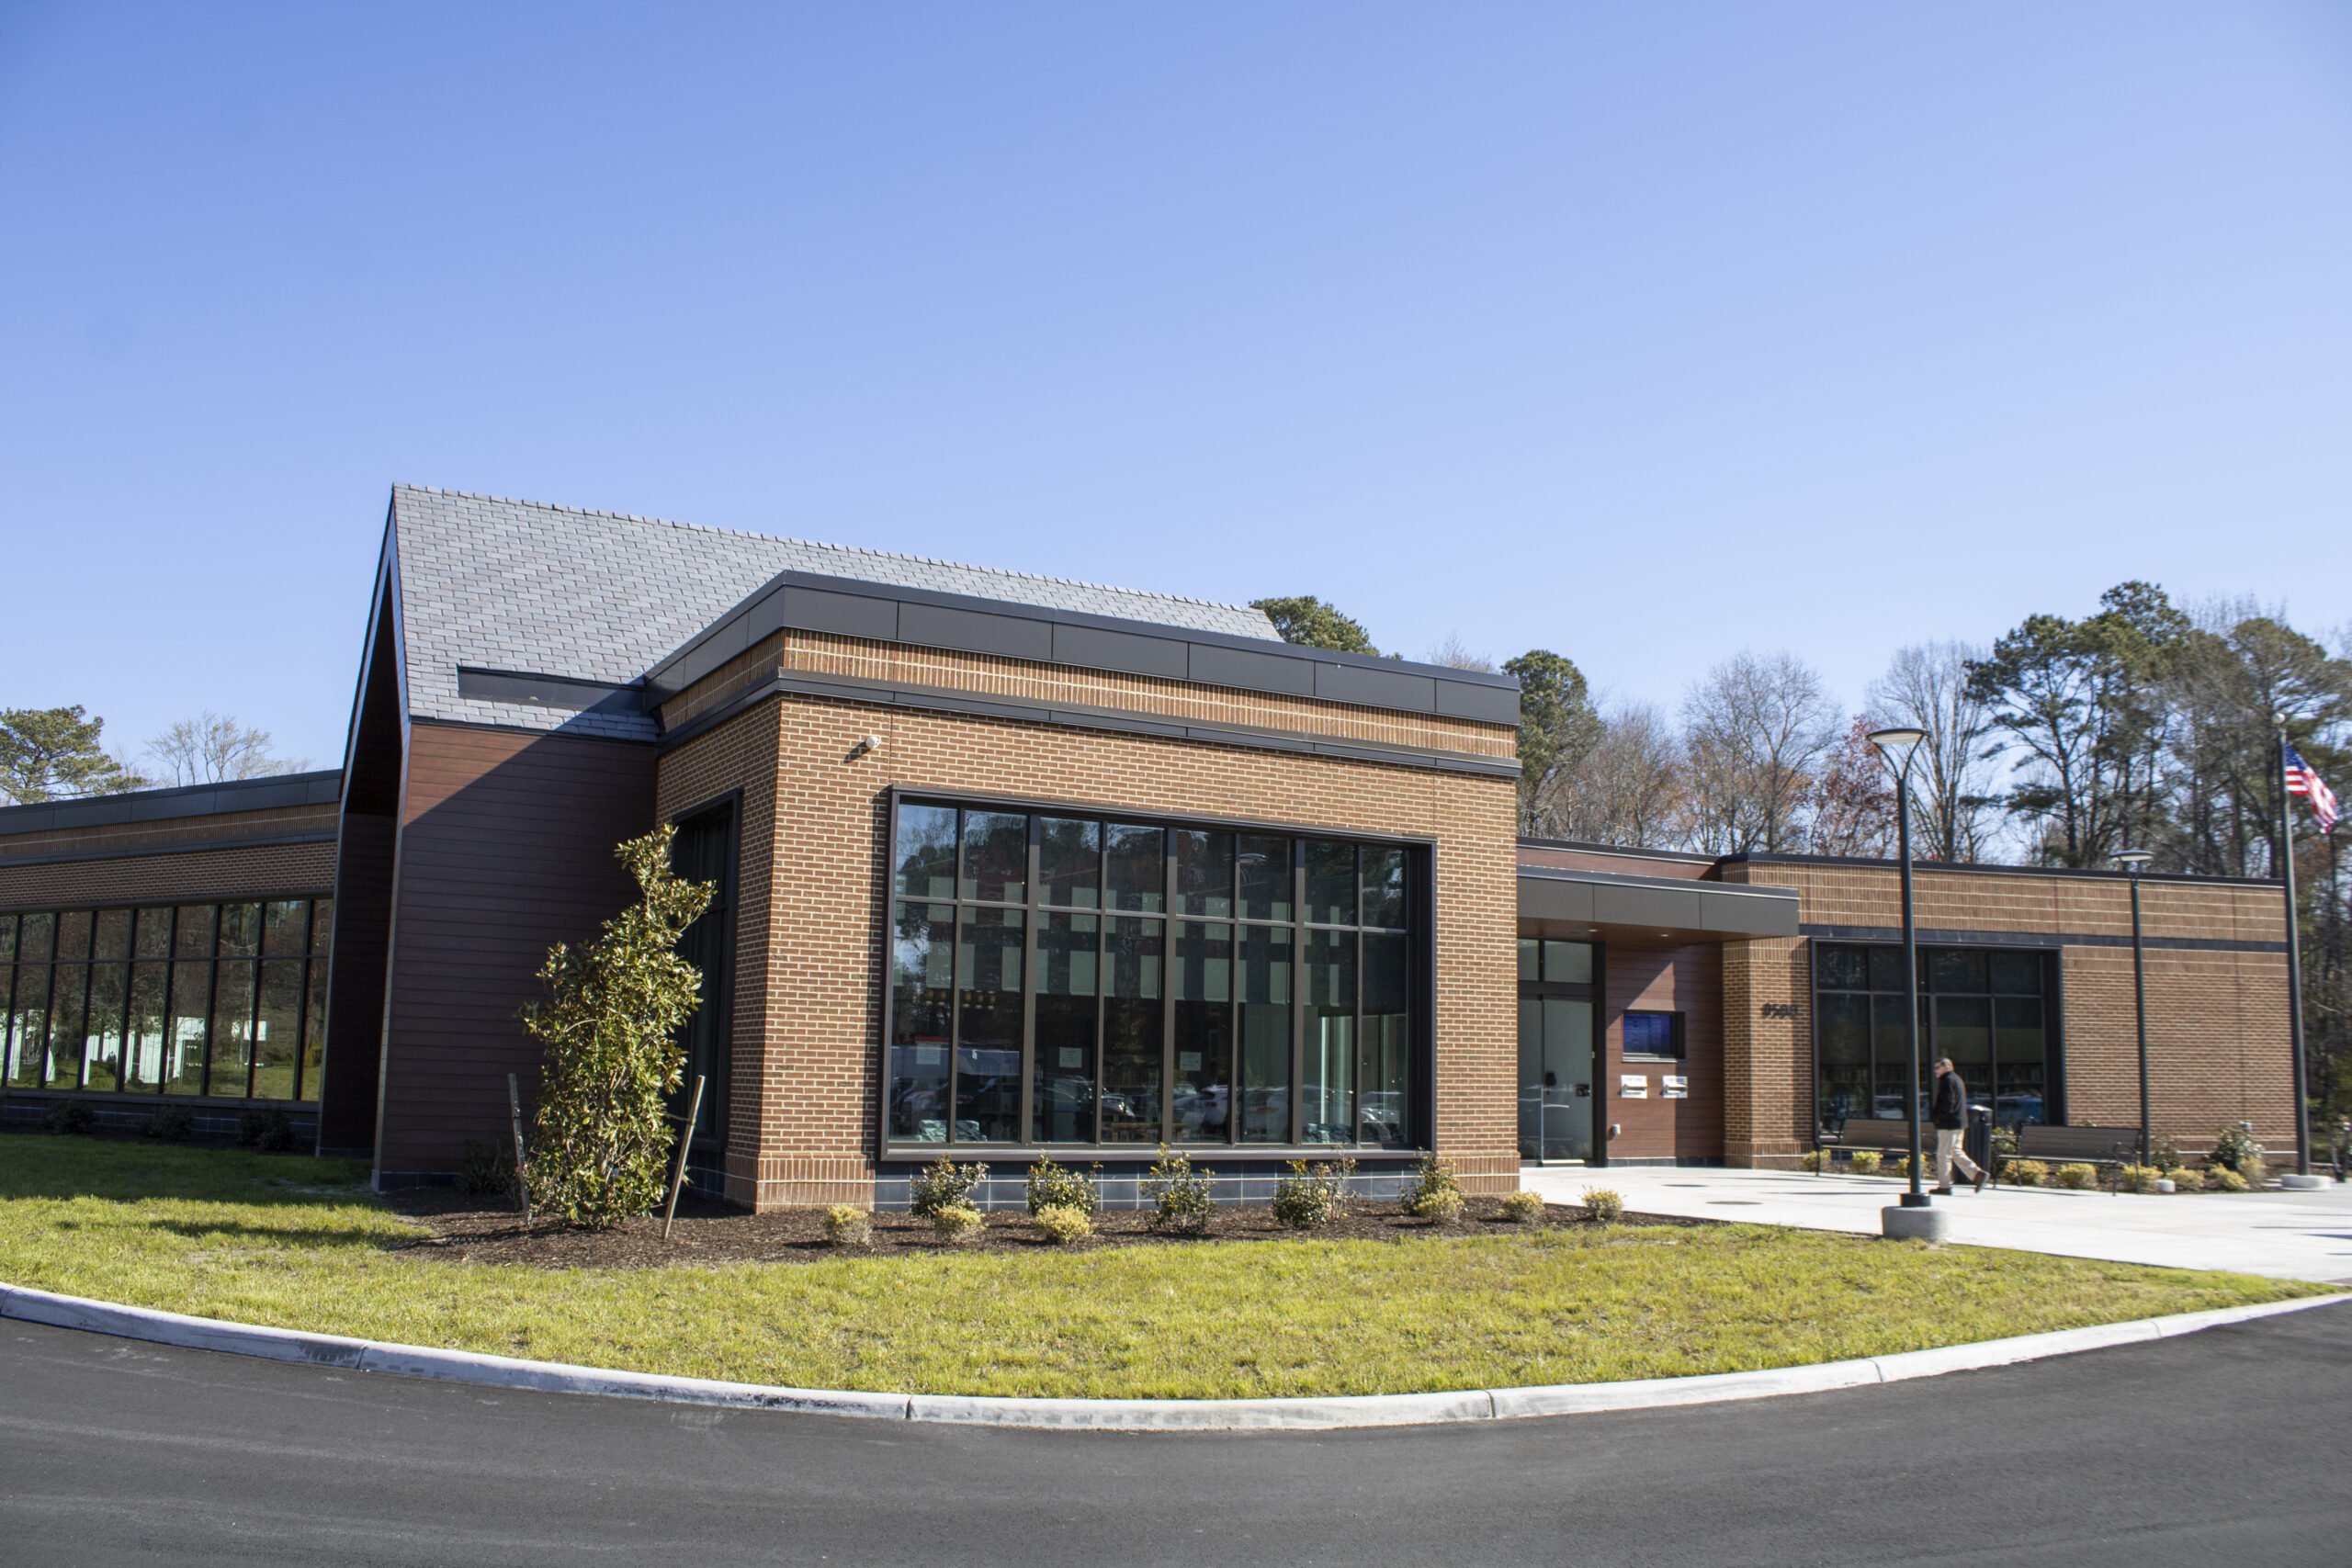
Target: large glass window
[
  {"x": 1124, "y": 983},
  {"x": 226, "y": 1001},
  {"x": 1558, "y": 1000},
  {"x": 1982, "y": 1008}
]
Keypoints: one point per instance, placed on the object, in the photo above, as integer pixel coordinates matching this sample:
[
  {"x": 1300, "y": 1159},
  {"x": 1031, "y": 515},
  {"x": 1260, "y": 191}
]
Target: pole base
[
  {"x": 1917, "y": 1201},
  {"x": 2297, "y": 1183},
  {"x": 1900, "y": 1224}
]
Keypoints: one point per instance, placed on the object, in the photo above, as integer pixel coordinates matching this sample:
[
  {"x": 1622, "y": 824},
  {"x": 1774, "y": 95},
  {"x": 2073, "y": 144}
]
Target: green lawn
[{"x": 301, "y": 1244}]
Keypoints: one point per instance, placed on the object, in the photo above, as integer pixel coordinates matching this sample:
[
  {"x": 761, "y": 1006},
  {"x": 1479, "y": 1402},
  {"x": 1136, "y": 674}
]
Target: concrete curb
[{"x": 1101, "y": 1414}]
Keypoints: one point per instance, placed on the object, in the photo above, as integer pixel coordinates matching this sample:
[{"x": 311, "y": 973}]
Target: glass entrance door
[{"x": 1555, "y": 1078}]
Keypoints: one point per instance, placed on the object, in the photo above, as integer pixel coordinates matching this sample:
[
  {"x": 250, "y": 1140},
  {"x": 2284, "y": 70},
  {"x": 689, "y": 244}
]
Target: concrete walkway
[{"x": 2291, "y": 1235}]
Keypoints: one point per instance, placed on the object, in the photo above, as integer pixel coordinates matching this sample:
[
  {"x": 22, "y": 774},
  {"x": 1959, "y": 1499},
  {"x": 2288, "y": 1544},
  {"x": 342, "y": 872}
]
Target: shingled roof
[{"x": 602, "y": 596}]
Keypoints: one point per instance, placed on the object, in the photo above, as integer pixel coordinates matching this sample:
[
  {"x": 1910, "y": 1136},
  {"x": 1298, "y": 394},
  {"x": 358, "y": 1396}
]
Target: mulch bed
[{"x": 467, "y": 1228}]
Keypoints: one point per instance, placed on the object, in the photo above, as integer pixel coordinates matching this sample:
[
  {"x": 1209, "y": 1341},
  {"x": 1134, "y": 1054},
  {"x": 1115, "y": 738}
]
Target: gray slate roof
[{"x": 602, "y": 596}]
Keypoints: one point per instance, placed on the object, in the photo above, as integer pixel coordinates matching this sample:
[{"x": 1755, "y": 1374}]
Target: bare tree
[
  {"x": 1926, "y": 686},
  {"x": 1625, "y": 788},
  {"x": 1755, "y": 731},
  {"x": 213, "y": 748},
  {"x": 1453, "y": 654},
  {"x": 1853, "y": 800}
]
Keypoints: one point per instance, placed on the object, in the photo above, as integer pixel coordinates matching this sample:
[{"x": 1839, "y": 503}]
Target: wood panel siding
[
  {"x": 505, "y": 848},
  {"x": 1688, "y": 980}
]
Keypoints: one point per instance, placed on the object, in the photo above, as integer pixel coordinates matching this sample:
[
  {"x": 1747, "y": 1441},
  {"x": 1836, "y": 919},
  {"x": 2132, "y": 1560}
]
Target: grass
[{"x": 301, "y": 1244}]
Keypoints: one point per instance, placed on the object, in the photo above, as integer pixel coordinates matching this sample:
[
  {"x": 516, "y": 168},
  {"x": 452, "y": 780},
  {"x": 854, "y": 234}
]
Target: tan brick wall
[
  {"x": 819, "y": 653},
  {"x": 810, "y": 944},
  {"x": 2217, "y": 1019}
]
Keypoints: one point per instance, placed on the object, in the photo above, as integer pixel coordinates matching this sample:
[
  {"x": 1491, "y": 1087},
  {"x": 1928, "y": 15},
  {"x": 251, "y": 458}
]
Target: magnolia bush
[{"x": 601, "y": 1134}]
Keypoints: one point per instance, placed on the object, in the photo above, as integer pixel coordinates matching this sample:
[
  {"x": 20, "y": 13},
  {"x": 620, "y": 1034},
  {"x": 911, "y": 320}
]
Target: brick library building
[{"x": 1010, "y": 867}]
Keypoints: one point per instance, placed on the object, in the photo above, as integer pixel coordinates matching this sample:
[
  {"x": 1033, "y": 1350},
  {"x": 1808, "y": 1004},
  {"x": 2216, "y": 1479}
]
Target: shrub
[
  {"x": 601, "y": 1133},
  {"x": 2256, "y": 1171},
  {"x": 2186, "y": 1179},
  {"x": 1900, "y": 1168},
  {"x": 846, "y": 1226},
  {"x": 2166, "y": 1154},
  {"x": 2234, "y": 1146},
  {"x": 2077, "y": 1177},
  {"x": 2025, "y": 1173},
  {"x": 1063, "y": 1224},
  {"x": 2005, "y": 1143},
  {"x": 487, "y": 1167},
  {"x": 1311, "y": 1197},
  {"x": 1435, "y": 1194},
  {"x": 1815, "y": 1160},
  {"x": 2221, "y": 1179},
  {"x": 957, "y": 1223},
  {"x": 71, "y": 1117},
  {"x": 176, "y": 1122},
  {"x": 943, "y": 1184},
  {"x": 1866, "y": 1162},
  {"x": 1181, "y": 1197},
  {"x": 271, "y": 1130},
  {"x": 1604, "y": 1204},
  {"x": 2137, "y": 1177},
  {"x": 1058, "y": 1186},
  {"x": 1523, "y": 1208}
]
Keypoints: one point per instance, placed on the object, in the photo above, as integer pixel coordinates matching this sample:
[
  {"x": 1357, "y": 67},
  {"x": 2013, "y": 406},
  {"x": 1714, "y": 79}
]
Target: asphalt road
[{"x": 2224, "y": 1446}]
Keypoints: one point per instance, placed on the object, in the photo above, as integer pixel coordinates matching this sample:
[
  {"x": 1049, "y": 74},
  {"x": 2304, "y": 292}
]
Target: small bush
[
  {"x": 1181, "y": 1197},
  {"x": 173, "y": 1123},
  {"x": 1899, "y": 1167},
  {"x": 2186, "y": 1179},
  {"x": 1604, "y": 1205},
  {"x": 1523, "y": 1208},
  {"x": 944, "y": 1185},
  {"x": 957, "y": 1223},
  {"x": 2221, "y": 1179},
  {"x": 271, "y": 1130},
  {"x": 2234, "y": 1146},
  {"x": 2256, "y": 1171},
  {"x": 2166, "y": 1154},
  {"x": 2005, "y": 1143},
  {"x": 2026, "y": 1173},
  {"x": 1435, "y": 1194},
  {"x": 2137, "y": 1177},
  {"x": 846, "y": 1226},
  {"x": 1311, "y": 1197},
  {"x": 1817, "y": 1160},
  {"x": 1053, "y": 1186},
  {"x": 487, "y": 1167},
  {"x": 2078, "y": 1176},
  {"x": 1866, "y": 1162},
  {"x": 1063, "y": 1224},
  {"x": 71, "y": 1117}
]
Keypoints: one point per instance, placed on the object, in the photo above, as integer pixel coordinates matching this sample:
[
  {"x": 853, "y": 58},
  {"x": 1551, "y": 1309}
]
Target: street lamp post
[
  {"x": 2136, "y": 861},
  {"x": 1896, "y": 745}
]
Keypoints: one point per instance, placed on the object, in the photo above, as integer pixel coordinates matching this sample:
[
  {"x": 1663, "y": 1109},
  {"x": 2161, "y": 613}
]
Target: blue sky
[{"x": 1643, "y": 334}]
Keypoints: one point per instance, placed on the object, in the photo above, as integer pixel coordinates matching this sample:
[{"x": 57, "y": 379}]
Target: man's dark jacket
[{"x": 1951, "y": 1106}]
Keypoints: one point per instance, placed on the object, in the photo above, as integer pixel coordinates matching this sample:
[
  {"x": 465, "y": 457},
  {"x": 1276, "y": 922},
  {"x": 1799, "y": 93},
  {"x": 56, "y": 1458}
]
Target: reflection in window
[{"x": 1981, "y": 1007}]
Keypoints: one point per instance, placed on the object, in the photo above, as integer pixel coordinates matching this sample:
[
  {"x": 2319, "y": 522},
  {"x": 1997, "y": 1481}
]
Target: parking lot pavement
[{"x": 2292, "y": 1235}]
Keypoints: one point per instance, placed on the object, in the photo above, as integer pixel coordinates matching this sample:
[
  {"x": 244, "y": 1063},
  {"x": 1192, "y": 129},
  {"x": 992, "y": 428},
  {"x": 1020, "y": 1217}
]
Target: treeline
[
  {"x": 61, "y": 754},
  {"x": 2144, "y": 725}
]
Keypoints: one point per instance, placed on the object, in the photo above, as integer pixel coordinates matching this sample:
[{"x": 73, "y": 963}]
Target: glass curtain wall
[
  {"x": 1986, "y": 1008},
  {"x": 1083, "y": 980},
  {"x": 1556, "y": 1000},
  {"x": 224, "y": 1001}
]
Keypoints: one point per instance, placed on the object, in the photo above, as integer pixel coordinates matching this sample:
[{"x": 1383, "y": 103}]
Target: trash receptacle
[{"x": 1977, "y": 1140}]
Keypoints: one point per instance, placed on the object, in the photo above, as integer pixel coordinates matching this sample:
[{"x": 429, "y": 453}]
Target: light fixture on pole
[
  {"x": 2136, "y": 861},
  {"x": 1897, "y": 744}
]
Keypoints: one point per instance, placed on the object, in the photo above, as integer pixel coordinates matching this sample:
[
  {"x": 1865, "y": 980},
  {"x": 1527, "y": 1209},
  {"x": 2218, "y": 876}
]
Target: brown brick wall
[
  {"x": 2217, "y": 1019},
  {"x": 229, "y": 872},
  {"x": 818, "y": 653},
  {"x": 807, "y": 989}
]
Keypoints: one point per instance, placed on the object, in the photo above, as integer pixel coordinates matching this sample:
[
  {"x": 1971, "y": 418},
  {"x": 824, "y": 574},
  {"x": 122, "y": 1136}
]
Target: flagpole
[{"x": 2294, "y": 957}]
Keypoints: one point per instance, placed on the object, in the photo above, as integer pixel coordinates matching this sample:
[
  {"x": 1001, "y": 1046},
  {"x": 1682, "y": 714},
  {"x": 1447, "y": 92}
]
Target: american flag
[{"x": 2303, "y": 780}]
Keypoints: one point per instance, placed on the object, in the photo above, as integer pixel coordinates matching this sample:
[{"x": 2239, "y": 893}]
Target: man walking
[{"x": 1950, "y": 1114}]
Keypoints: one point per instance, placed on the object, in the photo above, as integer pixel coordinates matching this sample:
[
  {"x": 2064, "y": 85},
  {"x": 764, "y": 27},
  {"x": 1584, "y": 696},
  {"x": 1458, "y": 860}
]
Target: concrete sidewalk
[{"x": 2291, "y": 1235}]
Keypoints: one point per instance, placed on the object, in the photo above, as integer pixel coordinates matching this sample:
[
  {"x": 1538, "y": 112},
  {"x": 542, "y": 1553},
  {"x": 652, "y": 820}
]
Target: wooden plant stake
[
  {"x": 515, "y": 1117},
  {"x": 685, "y": 1142}
]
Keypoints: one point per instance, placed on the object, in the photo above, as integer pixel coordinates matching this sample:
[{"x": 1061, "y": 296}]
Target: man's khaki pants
[{"x": 1948, "y": 1150}]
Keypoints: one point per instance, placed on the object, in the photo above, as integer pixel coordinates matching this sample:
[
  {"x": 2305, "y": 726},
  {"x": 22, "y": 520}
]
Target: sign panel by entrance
[{"x": 1633, "y": 1085}]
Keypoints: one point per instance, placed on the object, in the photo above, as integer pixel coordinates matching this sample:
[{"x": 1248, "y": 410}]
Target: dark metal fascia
[
  {"x": 1924, "y": 867},
  {"x": 320, "y": 787},
  {"x": 2040, "y": 940}
]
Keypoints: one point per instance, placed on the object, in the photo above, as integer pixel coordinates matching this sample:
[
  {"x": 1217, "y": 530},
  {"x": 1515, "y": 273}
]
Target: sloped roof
[{"x": 600, "y": 596}]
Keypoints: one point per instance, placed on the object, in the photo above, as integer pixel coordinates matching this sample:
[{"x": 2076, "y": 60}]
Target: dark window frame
[
  {"x": 1420, "y": 948},
  {"x": 312, "y": 958},
  {"x": 720, "y": 1000},
  {"x": 2054, "y": 1016}
]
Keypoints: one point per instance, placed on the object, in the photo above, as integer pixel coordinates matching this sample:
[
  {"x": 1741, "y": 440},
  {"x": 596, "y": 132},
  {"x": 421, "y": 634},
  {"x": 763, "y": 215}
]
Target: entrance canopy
[{"x": 1568, "y": 903}]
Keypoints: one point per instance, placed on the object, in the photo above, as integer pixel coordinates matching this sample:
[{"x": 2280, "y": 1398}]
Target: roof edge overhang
[{"x": 1568, "y": 903}]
